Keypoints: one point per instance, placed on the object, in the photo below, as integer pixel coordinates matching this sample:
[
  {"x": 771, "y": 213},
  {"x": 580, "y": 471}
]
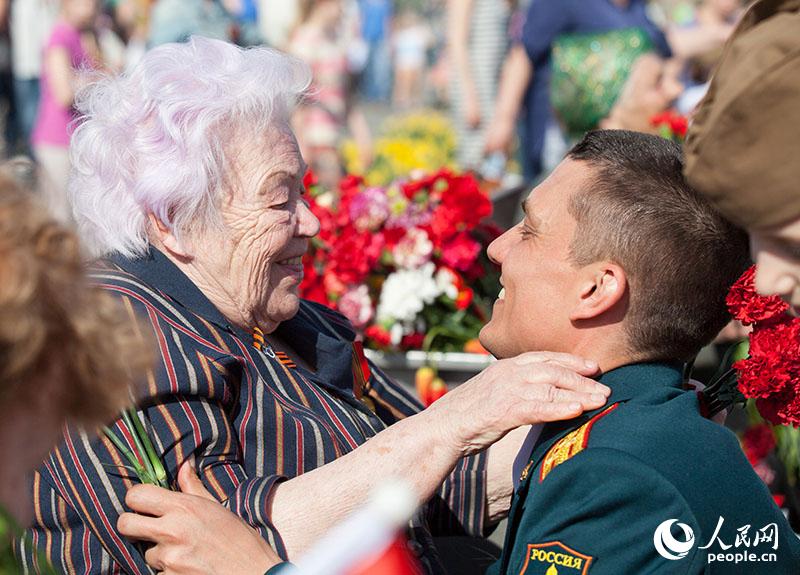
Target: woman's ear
[
  {"x": 602, "y": 287},
  {"x": 177, "y": 247}
]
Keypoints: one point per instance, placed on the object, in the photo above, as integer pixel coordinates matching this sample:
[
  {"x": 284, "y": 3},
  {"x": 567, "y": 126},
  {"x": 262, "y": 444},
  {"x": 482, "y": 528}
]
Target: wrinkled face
[
  {"x": 538, "y": 278},
  {"x": 777, "y": 255},
  {"x": 267, "y": 225}
]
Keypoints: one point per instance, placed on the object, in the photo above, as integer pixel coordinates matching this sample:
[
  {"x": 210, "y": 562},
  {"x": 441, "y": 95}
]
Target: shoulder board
[{"x": 571, "y": 444}]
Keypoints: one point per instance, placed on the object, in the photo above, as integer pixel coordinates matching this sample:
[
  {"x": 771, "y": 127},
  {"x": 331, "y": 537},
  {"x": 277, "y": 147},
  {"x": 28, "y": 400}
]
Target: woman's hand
[
  {"x": 531, "y": 388},
  {"x": 193, "y": 533}
]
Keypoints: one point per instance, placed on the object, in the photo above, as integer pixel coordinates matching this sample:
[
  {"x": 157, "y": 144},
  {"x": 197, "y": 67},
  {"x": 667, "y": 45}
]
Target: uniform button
[{"x": 415, "y": 547}]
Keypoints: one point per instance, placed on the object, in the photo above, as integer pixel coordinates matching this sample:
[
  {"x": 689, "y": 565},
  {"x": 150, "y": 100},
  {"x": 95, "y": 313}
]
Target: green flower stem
[
  {"x": 140, "y": 471},
  {"x": 159, "y": 473},
  {"x": 140, "y": 449}
]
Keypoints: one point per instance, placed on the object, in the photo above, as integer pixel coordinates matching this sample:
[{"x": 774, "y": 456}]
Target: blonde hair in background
[{"x": 52, "y": 321}]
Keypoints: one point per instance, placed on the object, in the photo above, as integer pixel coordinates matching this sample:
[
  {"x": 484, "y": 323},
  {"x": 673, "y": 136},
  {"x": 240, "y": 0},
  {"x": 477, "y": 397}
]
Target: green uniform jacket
[{"x": 602, "y": 491}]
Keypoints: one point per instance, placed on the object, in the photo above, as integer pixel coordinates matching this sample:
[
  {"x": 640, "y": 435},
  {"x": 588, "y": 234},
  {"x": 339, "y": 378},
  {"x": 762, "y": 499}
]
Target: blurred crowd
[{"x": 521, "y": 79}]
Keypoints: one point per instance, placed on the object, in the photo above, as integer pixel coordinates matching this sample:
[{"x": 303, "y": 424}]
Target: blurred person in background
[
  {"x": 410, "y": 42},
  {"x": 477, "y": 42},
  {"x": 8, "y": 111},
  {"x": 720, "y": 16},
  {"x": 525, "y": 81},
  {"x": 30, "y": 24},
  {"x": 68, "y": 351},
  {"x": 325, "y": 114},
  {"x": 651, "y": 87},
  {"x": 177, "y": 20},
  {"x": 376, "y": 23},
  {"x": 71, "y": 48},
  {"x": 246, "y": 31},
  {"x": 276, "y": 19}
]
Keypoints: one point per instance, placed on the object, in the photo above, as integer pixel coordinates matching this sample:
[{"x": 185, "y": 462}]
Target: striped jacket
[{"x": 250, "y": 417}]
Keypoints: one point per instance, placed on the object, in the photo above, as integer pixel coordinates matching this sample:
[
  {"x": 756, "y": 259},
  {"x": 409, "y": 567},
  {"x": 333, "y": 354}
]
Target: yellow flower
[{"x": 423, "y": 141}]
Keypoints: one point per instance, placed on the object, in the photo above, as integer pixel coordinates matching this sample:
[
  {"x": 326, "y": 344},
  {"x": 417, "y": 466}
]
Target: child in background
[
  {"x": 321, "y": 119},
  {"x": 72, "y": 47},
  {"x": 410, "y": 44}
]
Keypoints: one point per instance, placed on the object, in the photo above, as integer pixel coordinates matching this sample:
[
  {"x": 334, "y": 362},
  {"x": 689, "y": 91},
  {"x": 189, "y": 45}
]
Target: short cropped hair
[
  {"x": 680, "y": 255},
  {"x": 53, "y": 324},
  {"x": 152, "y": 140}
]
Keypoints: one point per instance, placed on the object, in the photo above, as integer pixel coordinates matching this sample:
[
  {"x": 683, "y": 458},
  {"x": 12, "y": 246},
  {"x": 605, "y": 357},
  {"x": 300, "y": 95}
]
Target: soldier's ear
[{"x": 602, "y": 293}]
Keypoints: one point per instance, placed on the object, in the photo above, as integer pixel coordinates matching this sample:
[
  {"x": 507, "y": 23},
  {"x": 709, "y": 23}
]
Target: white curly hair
[{"x": 152, "y": 140}]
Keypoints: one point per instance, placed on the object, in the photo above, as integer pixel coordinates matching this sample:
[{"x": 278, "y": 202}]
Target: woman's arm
[
  {"x": 514, "y": 81},
  {"x": 60, "y": 75},
  {"x": 691, "y": 42},
  {"x": 421, "y": 449},
  {"x": 459, "y": 15}
]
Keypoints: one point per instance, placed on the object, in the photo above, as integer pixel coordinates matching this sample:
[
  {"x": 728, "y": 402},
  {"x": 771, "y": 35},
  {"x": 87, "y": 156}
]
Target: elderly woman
[
  {"x": 67, "y": 350},
  {"x": 188, "y": 180}
]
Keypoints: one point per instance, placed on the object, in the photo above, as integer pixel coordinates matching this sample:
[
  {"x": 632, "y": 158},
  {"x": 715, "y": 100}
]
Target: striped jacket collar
[{"x": 328, "y": 352}]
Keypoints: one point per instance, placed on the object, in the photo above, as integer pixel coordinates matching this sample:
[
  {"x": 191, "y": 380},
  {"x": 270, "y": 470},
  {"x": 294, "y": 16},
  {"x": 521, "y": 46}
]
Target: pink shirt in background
[{"x": 52, "y": 122}]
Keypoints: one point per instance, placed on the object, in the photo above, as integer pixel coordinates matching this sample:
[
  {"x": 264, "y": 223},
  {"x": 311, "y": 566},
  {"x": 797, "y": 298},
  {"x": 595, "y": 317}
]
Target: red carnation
[
  {"x": 379, "y": 335},
  {"x": 412, "y": 341},
  {"x": 312, "y": 286},
  {"x": 758, "y": 442},
  {"x": 464, "y": 299},
  {"x": 781, "y": 409},
  {"x": 461, "y": 252},
  {"x": 679, "y": 125},
  {"x": 760, "y": 377},
  {"x": 747, "y": 305},
  {"x": 309, "y": 180},
  {"x": 355, "y": 255}
]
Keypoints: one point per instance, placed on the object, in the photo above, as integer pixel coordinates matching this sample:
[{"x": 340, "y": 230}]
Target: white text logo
[{"x": 669, "y": 547}]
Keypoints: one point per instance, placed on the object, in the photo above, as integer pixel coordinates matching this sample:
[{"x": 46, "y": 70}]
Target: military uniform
[{"x": 598, "y": 490}]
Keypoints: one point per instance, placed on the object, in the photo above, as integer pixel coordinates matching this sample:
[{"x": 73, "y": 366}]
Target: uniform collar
[
  {"x": 638, "y": 379},
  {"x": 628, "y": 382}
]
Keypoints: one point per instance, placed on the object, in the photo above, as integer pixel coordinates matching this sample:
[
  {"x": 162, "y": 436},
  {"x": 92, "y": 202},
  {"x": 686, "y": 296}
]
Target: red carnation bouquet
[
  {"x": 770, "y": 375},
  {"x": 670, "y": 125},
  {"x": 405, "y": 263}
]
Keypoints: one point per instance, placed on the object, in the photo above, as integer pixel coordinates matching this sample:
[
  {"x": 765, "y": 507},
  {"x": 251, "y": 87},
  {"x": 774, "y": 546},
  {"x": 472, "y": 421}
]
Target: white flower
[
  {"x": 396, "y": 333},
  {"x": 325, "y": 200},
  {"x": 413, "y": 250},
  {"x": 406, "y": 292},
  {"x": 446, "y": 282}
]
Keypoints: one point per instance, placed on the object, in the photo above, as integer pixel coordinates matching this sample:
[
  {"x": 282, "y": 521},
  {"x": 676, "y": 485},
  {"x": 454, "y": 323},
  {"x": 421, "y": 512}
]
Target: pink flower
[
  {"x": 413, "y": 250},
  {"x": 356, "y": 305},
  {"x": 369, "y": 209}
]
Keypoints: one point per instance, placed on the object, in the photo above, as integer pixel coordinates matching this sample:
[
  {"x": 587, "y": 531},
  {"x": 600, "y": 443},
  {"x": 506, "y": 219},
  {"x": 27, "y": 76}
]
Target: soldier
[{"x": 619, "y": 259}]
